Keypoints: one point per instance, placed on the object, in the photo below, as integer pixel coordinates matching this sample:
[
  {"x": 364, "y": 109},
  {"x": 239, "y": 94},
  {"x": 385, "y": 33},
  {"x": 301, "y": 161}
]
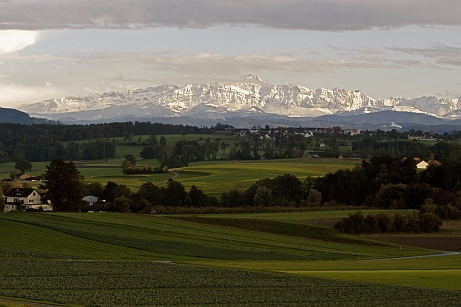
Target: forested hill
[{"x": 14, "y": 116}]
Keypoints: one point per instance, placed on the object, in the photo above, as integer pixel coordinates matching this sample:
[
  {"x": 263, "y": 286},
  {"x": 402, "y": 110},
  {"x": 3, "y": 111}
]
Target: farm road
[{"x": 175, "y": 175}]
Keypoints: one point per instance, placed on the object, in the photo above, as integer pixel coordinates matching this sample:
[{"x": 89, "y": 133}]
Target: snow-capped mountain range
[{"x": 250, "y": 97}]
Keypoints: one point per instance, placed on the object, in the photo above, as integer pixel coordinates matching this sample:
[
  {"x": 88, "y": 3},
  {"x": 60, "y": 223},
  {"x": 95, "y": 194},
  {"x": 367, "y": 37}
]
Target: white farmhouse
[{"x": 24, "y": 198}]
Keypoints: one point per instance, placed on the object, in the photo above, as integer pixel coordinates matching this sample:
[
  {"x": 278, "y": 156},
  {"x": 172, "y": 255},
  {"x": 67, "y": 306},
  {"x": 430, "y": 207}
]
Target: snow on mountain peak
[
  {"x": 253, "y": 78},
  {"x": 248, "y": 96}
]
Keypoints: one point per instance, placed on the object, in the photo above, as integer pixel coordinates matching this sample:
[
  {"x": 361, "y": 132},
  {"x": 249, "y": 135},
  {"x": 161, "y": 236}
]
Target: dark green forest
[{"x": 41, "y": 142}]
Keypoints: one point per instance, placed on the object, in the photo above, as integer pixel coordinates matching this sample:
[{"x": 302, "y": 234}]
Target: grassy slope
[
  {"x": 431, "y": 272},
  {"x": 127, "y": 236},
  {"x": 113, "y": 241},
  {"x": 213, "y": 177}
]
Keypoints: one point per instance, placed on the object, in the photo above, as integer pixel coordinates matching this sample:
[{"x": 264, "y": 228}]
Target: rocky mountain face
[{"x": 250, "y": 97}]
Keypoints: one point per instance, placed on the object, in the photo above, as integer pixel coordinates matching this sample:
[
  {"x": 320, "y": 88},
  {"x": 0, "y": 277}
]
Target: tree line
[
  {"x": 382, "y": 182},
  {"x": 44, "y": 142}
]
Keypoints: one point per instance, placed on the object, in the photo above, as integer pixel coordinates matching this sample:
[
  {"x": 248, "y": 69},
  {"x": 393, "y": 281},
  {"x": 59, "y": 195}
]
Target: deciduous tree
[{"x": 23, "y": 166}]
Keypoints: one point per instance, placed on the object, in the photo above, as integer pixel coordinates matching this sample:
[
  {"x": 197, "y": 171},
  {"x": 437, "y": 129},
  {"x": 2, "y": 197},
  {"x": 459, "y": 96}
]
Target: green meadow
[
  {"x": 280, "y": 259},
  {"x": 213, "y": 177},
  {"x": 264, "y": 259}
]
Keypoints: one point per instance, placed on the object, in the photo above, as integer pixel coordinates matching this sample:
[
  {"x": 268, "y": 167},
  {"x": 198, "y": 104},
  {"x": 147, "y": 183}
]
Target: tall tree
[
  {"x": 64, "y": 185},
  {"x": 174, "y": 194},
  {"x": 2, "y": 204},
  {"x": 223, "y": 148},
  {"x": 131, "y": 158}
]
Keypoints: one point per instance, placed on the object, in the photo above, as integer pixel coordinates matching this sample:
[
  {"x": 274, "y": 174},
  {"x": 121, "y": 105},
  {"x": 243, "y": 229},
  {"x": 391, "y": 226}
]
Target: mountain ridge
[{"x": 248, "y": 97}]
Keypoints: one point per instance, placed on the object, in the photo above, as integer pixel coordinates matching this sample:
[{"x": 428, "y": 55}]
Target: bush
[
  {"x": 122, "y": 204},
  {"x": 430, "y": 222},
  {"x": 383, "y": 223},
  {"x": 400, "y": 223}
]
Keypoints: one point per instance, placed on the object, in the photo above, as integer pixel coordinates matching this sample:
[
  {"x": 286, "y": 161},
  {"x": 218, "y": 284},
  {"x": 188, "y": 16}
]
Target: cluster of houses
[
  {"x": 307, "y": 132},
  {"x": 29, "y": 199}
]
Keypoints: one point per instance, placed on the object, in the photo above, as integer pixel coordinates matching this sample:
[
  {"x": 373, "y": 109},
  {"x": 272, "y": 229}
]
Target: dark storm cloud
[{"x": 323, "y": 15}]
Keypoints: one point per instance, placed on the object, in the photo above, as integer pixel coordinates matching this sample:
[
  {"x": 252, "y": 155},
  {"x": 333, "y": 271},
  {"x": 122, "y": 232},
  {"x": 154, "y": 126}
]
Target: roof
[
  {"x": 422, "y": 164},
  {"x": 21, "y": 192},
  {"x": 25, "y": 176}
]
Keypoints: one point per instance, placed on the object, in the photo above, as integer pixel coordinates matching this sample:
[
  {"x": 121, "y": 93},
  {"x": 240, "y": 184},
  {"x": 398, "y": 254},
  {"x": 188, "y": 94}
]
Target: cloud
[
  {"x": 13, "y": 95},
  {"x": 415, "y": 63},
  {"x": 388, "y": 62},
  {"x": 433, "y": 51},
  {"x": 324, "y": 15},
  {"x": 215, "y": 64},
  {"x": 13, "y": 40},
  {"x": 454, "y": 61},
  {"x": 452, "y": 93},
  {"x": 441, "y": 53},
  {"x": 373, "y": 58}
]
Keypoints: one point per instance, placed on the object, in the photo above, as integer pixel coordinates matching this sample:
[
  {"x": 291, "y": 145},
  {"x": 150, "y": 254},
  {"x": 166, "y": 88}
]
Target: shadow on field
[{"x": 309, "y": 231}]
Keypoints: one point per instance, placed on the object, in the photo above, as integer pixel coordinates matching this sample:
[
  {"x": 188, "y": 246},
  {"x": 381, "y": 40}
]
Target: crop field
[
  {"x": 170, "y": 284},
  {"x": 172, "y": 239},
  {"x": 227, "y": 260}
]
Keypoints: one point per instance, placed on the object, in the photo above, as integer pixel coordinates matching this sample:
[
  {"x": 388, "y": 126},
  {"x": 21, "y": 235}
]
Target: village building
[
  {"x": 25, "y": 199},
  {"x": 91, "y": 199},
  {"x": 91, "y": 208},
  {"x": 422, "y": 165}
]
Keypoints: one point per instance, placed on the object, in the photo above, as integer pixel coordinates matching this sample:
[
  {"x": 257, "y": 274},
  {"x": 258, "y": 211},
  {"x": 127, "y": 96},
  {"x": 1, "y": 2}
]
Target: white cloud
[
  {"x": 13, "y": 95},
  {"x": 12, "y": 41}
]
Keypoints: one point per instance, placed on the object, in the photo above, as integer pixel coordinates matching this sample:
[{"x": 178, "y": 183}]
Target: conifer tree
[{"x": 64, "y": 185}]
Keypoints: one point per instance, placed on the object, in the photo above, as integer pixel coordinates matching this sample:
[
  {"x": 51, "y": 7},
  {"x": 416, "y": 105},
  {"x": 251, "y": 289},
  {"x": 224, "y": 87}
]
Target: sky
[{"x": 391, "y": 48}]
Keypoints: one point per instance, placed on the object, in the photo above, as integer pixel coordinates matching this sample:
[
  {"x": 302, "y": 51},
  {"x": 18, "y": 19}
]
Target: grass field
[
  {"x": 213, "y": 177},
  {"x": 276, "y": 259},
  {"x": 215, "y": 260}
]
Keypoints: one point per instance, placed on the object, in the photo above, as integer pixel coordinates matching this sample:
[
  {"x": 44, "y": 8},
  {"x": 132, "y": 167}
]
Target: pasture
[
  {"x": 278, "y": 259},
  {"x": 213, "y": 177}
]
